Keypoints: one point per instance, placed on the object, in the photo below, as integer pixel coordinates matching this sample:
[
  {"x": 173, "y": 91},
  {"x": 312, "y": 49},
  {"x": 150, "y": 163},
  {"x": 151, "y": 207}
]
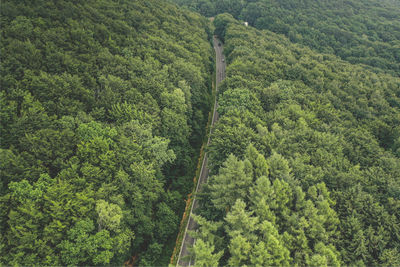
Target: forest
[
  {"x": 103, "y": 110},
  {"x": 358, "y": 31},
  {"x": 304, "y": 160}
]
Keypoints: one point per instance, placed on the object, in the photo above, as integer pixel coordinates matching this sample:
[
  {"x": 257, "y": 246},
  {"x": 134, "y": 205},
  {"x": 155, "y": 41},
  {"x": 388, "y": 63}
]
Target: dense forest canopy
[
  {"x": 103, "y": 106},
  {"x": 358, "y": 31},
  {"x": 304, "y": 160}
]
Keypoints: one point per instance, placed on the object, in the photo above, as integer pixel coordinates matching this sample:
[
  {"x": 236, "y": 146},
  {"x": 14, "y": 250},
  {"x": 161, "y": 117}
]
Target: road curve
[{"x": 183, "y": 259}]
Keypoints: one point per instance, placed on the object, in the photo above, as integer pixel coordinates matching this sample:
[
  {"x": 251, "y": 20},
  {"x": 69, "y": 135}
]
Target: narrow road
[{"x": 183, "y": 259}]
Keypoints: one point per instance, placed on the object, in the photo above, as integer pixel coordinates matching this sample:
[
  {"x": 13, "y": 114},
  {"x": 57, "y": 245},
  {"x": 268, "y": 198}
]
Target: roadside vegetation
[
  {"x": 358, "y": 31},
  {"x": 103, "y": 110},
  {"x": 304, "y": 160}
]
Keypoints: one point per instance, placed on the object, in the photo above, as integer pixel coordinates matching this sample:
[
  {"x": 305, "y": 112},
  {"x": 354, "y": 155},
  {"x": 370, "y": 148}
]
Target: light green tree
[
  {"x": 204, "y": 254},
  {"x": 231, "y": 183},
  {"x": 110, "y": 215}
]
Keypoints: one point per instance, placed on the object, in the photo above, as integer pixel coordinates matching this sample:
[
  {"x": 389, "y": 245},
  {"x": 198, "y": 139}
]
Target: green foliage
[
  {"x": 220, "y": 23},
  {"x": 280, "y": 225},
  {"x": 230, "y": 184},
  {"x": 360, "y": 32},
  {"x": 312, "y": 141},
  {"x": 84, "y": 245},
  {"x": 102, "y": 111},
  {"x": 204, "y": 254}
]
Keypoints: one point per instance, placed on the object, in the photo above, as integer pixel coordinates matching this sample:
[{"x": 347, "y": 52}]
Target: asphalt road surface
[{"x": 184, "y": 259}]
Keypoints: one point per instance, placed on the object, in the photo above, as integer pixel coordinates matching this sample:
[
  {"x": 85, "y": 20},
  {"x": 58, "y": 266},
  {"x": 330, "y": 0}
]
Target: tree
[
  {"x": 204, "y": 254},
  {"x": 221, "y": 21},
  {"x": 230, "y": 184},
  {"x": 84, "y": 246},
  {"x": 239, "y": 248},
  {"x": 279, "y": 167},
  {"x": 110, "y": 215},
  {"x": 260, "y": 194},
  {"x": 241, "y": 222},
  {"x": 259, "y": 164},
  {"x": 270, "y": 250}
]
